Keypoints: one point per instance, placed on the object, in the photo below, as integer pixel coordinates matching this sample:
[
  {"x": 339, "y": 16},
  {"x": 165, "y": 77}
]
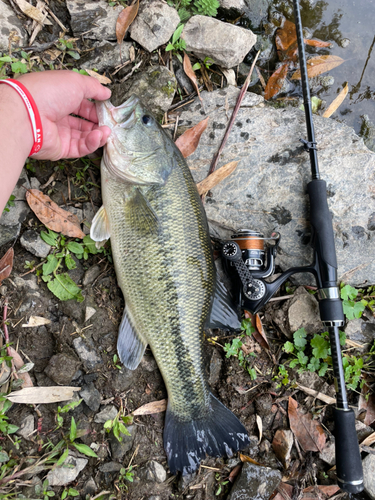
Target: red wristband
[{"x": 34, "y": 116}]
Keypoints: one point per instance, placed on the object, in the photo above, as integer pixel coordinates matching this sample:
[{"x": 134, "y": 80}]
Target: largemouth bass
[{"x": 164, "y": 266}]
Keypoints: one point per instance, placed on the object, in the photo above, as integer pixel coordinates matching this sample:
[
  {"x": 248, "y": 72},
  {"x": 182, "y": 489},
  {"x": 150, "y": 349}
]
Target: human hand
[{"x": 58, "y": 94}]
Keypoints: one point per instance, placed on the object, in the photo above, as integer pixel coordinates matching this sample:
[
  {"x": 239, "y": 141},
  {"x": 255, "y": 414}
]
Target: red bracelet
[{"x": 34, "y": 116}]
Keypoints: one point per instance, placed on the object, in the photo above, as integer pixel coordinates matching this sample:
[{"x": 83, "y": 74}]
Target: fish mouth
[{"x": 123, "y": 116}]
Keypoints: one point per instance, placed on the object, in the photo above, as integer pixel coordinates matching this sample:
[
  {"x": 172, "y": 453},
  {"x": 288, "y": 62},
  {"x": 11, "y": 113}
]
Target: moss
[{"x": 169, "y": 89}]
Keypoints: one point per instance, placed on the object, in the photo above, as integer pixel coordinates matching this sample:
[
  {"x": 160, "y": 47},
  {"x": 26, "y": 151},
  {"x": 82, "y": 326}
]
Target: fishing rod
[{"x": 248, "y": 262}]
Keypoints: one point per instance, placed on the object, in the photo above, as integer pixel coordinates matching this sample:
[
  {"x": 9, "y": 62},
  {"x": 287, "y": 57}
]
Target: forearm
[{"x": 16, "y": 140}]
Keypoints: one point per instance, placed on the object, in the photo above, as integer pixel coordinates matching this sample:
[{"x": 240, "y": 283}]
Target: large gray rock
[
  {"x": 254, "y": 10},
  {"x": 267, "y": 191},
  {"x": 93, "y": 19},
  {"x": 255, "y": 483},
  {"x": 226, "y": 44},
  {"x": 9, "y": 23},
  {"x": 154, "y": 25},
  {"x": 104, "y": 56},
  {"x": 369, "y": 475}
]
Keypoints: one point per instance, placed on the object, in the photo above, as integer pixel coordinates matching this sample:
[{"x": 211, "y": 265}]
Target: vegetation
[
  {"x": 188, "y": 8},
  {"x": 235, "y": 349}
]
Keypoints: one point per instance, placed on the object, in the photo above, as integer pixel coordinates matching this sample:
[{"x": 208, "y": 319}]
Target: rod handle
[{"x": 348, "y": 458}]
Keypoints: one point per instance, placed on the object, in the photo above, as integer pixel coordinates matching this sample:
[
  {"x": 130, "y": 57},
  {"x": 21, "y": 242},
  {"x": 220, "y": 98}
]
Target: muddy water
[{"x": 350, "y": 23}]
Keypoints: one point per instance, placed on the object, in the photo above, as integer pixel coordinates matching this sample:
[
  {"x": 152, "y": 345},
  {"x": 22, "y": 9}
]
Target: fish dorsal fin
[
  {"x": 223, "y": 314},
  {"x": 130, "y": 344},
  {"x": 144, "y": 218},
  {"x": 99, "y": 230}
]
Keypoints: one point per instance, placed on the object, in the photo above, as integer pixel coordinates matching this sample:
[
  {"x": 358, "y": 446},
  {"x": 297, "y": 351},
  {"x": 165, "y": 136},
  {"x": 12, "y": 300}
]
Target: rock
[
  {"x": 95, "y": 18},
  {"x": 62, "y": 368},
  {"x": 368, "y": 132},
  {"x": 254, "y": 10},
  {"x": 65, "y": 475},
  {"x": 89, "y": 313},
  {"x": 120, "y": 448},
  {"x": 155, "y": 472},
  {"x": 216, "y": 364},
  {"x": 263, "y": 405},
  {"x": 27, "y": 427},
  {"x": 88, "y": 214},
  {"x": 87, "y": 354},
  {"x": 10, "y": 24},
  {"x": 208, "y": 37},
  {"x": 8, "y": 233},
  {"x": 360, "y": 331},
  {"x": 303, "y": 312},
  {"x": 110, "y": 467},
  {"x": 255, "y": 483},
  {"x": 34, "y": 489},
  {"x": 123, "y": 379},
  {"x": 34, "y": 244},
  {"x": 108, "y": 413},
  {"x": 91, "y": 396},
  {"x": 106, "y": 55},
  {"x": 328, "y": 455},
  {"x": 282, "y": 445},
  {"x": 23, "y": 183},
  {"x": 34, "y": 183},
  {"x": 154, "y": 25},
  {"x": 369, "y": 475},
  {"x": 89, "y": 488},
  {"x": 267, "y": 189},
  {"x": 16, "y": 215},
  {"x": 155, "y": 87},
  {"x": 90, "y": 275},
  {"x": 362, "y": 430}
]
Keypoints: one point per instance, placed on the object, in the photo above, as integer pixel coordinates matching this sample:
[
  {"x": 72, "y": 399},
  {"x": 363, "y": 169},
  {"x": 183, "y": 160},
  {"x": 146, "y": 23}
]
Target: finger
[
  {"x": 86, "y": 142},
  {"x": 94, "y": 90},
  {"x": 87, "y": 110},
  {"x": 75, "y": 123}
]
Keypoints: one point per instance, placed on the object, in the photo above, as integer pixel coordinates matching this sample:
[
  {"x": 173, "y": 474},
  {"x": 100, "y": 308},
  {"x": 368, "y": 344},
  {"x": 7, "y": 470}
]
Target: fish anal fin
[
  {"x": 99, "y": 231},
  {"x": 130, "y": 344}
]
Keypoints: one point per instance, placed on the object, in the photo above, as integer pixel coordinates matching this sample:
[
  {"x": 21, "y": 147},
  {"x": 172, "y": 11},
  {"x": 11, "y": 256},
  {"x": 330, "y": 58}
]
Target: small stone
[
  {"x": 90, "y": 275},
  {"x": 368, "y": 465},
  {"x": 91, "y": 396},
  {"x": 10, "y": 24},
  {"x": 255, "y": 483},
  {"x": 90, "y": 311},
  {"x": 20, "y": 189},
  {"x": 89, "y": 488},
  {"x": 154, "y": 25},
  {"x": 34, "y": 183},
  {"x": 328, "y": 455},
  {"x": 110, "y": 467},
  {"x": 65, "y": 475},
  {"x": 88, "y": 214},
  {"x": 34, "y": 244},
  {"x": 16, "y": 215},
  {"x": 94, "y": 18},
  {"x": 303, "y": 312},
  {"x": 27, "y": 427},
  {"x": 120, "y": 448},
  {"x": 105, "y": 55},
  {"x": 216, "y": 364},
  {"x": 362, "y": 430},
  {"x": 344, "y": 42},
  {"x": 108, "y": 413},
  {"x": 87, "y": 353},
  {"x": 155, "y": 472},
  {"x": 9, "y": 233},
  {"x": 360, "y": 331},
  {"x": 62, "y": 368}
]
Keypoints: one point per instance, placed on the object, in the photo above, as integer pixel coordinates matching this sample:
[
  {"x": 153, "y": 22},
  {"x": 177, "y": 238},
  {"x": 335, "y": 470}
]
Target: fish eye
[{"x": 146, "y": 119}]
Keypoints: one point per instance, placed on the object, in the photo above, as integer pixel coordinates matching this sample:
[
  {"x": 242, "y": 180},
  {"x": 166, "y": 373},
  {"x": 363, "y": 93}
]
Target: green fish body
[{"x": 164, "y": 266}]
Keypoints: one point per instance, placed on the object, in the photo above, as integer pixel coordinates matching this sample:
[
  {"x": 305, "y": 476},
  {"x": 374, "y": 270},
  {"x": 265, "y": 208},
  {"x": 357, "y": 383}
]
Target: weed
[
  {"x": 10, "y": 203},
  {"x": 235, "y": 349},
  {"x": 207, "y": 62},
  {"x": 65, "y": 409},
  {"x": 126, "y": 475},
  {"x": 70, "y": 492},
  {"x": 177, "y": 44},
  {"x": 221, "y": 484},
  {"x": 353, "y": 309},
  {"x": 187, "y": 8},
  {"x": 67, "y": 46},
  {"x": 115, "y": 362},
  {"x": 117, "y": 425}
]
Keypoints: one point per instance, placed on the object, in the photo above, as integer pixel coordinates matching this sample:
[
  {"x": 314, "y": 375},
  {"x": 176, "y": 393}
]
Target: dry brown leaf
[
  {"x": 318, "y": 65},
  {"x": 318, "y": 395},
  {"x": 36, "y": 321},
  {"x": 311, "y": 492},
  {"x": 245, "y": 458},
  {"x": 317, "y": 43},
  {"x": 151, "y": 408},
  {"x": 124, "y": 20},
  {"x": 282, "y": 445},
  {"x": 213, "y": 179},
  {"x": 6, "y": 265},
  {"x": 18, "y": 363},
  {"x": 286, "y": 36},
  {"x": 52, "y": 215},
  {"x": 286, "y": 492},
  {"x": 258, "y": 334},
  {"x": 369, "y": 440},
  {"x": 260, "y": 427},
  {"x": 188, "y": 68},
  {"x": 39, "y": 395},
  {"x": 234, "y": 473},
  {"x": 32, "y": 12},
  {"x": 309, "y": 432},
  {"x": 275, "y": 82},
  {"x": 188, "y": 142},
  {"x": 336, "y": 102},
  {"x": 101, "y": 78}
]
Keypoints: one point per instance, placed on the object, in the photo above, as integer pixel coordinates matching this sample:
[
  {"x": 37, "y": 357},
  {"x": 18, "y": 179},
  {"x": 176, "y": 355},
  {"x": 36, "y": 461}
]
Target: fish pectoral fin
[
  {"x": 144, "y": 218},
  {"x": 223, "y": 313},
  {"x": 130, "y": 344},
  {"x": 99, "y": 230}
]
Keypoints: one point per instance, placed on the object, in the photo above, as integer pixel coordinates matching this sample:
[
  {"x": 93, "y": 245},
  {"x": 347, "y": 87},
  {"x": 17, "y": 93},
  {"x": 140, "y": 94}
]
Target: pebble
[
  {"x": 94, "y": 18},
  {"x": 120, "y": 448},
  {"x": 369, "y": 475},
  {"x": 328, "y": 455},
  {"x": 255, "y": 483},
  {"x": 87, "y": 353},
  {"x": 110, "y": 467},
  {"x": 155, "y": 472},
  {"x": 90, "y": 275},
  {"x": 216, "y": 364},
  {"x": 10, "y": 22},
  {"x": 27, "y": 427},
  {"x": 33, "y": 243},
  {"x": 303, "y": 312},
  {"x": 360, "y": 331},
  {"x": 62, "y": 368},
  {"x": 89, "y": 488},
  {"x": 68, "y": 473},
  {"x": 91, "y": 396},
  {"x": 108, "y": 413}
]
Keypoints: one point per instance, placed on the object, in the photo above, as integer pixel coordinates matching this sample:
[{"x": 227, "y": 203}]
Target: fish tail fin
[{"x": 217, "y": 433}]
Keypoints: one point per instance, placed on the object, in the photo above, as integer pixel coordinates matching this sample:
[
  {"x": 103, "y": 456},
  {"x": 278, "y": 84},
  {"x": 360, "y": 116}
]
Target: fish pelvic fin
[
  {"x": 130, "y": 344},
  {"x": 219, "y": 433},
  {"x": 224, "y": 313},
  {"x": 99, "y": 231}
]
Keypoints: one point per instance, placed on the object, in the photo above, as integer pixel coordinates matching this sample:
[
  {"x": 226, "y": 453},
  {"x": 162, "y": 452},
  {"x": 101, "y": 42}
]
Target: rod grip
[{"x": 348, "y": 458}]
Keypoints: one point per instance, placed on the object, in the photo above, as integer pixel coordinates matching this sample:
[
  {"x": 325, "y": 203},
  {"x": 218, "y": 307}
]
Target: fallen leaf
[
  {"x": 259, "y": 334},
  {"x": 213, "y": 179},
  {"x": 245, "y": 458},
  {"x": 101, "y": 78},
  {"x": 19, "y": 363},
  {"x": 6, "y": 265},
  {"x": 317, "y": 43},
  {"x": 282, "y": 445},
  {"x": 31, "y": 11},
  {"x": 318, "y": 65},
  {"x": 285, "y": 492},
  {"x": 188, "y": 68},
  {"x": 39, "y": 395},
  {"x": 151, "y": 408},
  {"x": 36, "y": 321},
  {"x": 124, "y": 20},
  {"x": 309, "y": 432},
  {"x": 327, "y": 491},
  {"x": 285, "y": 36},
  {"x": 318, "y": 395},
  {"x": 234, "y": 472},
  {"x": 276, "y": 82},
  {"x": 369, "y": 440},
  {"x": 260, "y": 427},
  {"x": 52, "y": 215},
  {"x": 188, "y": 142},
  {"x": 336, "y": 102}
]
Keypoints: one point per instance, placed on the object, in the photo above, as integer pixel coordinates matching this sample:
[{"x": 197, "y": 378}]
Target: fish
[{"x": 164, "y": 265}]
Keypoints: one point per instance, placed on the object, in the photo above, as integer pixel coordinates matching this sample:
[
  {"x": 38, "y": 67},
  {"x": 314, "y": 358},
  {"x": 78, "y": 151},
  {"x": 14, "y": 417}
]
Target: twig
[{"x": 6, "y": 335}]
